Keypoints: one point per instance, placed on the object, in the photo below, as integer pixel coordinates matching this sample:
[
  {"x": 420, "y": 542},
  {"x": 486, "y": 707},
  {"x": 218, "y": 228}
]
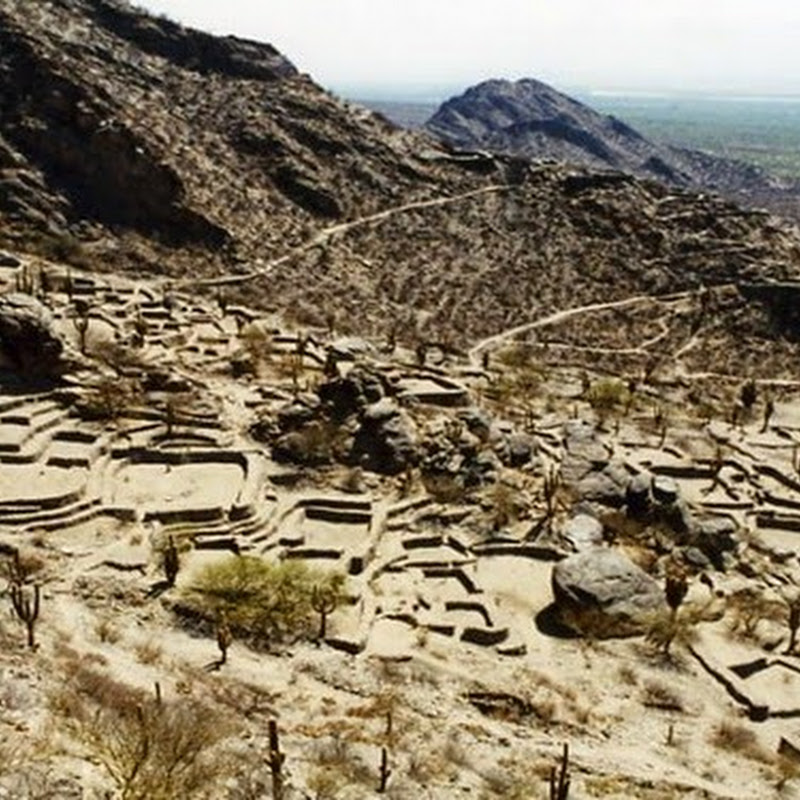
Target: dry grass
[
  {"x": 148, "y": 652},
  {"x": 656, "y": 694},
  {"x": 670, "y": 629},
  {"x": 628, "y": 675},
  {"x": 740, "y": 740},
  {"x": 106, "y": 631}
]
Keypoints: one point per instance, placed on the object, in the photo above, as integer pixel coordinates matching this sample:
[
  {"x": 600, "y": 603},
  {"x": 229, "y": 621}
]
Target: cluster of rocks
[
  {"x": 471, "y": 448},
  {"x": 653, "y": 503},
  {"x": 359, "y": 419},
  {"x": 354, "y": 419},
  {"x": 599, "y": 585}
]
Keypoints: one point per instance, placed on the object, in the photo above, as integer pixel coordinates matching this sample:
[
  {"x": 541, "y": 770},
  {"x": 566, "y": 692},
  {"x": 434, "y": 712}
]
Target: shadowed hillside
[{"x": 128, "y": 142}]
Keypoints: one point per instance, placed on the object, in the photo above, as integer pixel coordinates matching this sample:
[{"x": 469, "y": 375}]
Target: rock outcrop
[{"x": 28, "y": 342}]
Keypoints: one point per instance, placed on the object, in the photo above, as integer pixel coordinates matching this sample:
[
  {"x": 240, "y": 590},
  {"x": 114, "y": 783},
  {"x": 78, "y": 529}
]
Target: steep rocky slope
[
  {"x": 127, "y": 142},
  {"x": 531, "y": 119}
]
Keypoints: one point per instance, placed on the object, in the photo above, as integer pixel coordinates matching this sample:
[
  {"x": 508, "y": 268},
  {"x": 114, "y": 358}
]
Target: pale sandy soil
[{"x": 639, "y": 725}]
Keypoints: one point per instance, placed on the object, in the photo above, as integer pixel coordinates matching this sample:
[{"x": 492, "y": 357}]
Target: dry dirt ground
[{"x": 440, "y": 653}]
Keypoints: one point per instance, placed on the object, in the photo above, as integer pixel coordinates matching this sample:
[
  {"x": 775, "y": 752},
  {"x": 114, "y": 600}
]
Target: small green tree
[{"x": 261, "y": 601}]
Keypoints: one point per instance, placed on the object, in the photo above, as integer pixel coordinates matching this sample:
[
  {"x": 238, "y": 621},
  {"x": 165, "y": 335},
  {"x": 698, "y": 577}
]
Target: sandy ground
[{"x": 639, "y": 725}]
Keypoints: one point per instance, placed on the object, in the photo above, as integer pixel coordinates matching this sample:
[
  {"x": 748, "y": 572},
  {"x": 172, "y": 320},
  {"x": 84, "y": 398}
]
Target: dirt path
[
  {"x": 343, "y": 227},
  {"x": 560, "y": 316}
]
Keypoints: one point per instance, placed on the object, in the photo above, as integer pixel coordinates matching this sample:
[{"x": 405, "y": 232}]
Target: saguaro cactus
[
  {"x": 224, "y": 639},
  {"x": 26, "y": 608},
  {"x": 276, "y": 759},
  {"x": 386, "y": 773},
  {"x": 171, "y": 561},
  {"x": 323, "y": 601},
  {"x": 81, "y": 323},
  {"x": 559, "y": 777},
  {"x": 793, "y": 614}
]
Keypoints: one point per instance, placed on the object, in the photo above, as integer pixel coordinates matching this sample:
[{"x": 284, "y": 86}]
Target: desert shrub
[
  {"x": 109, "y": 399},
  {"x": 262, "y": 602},
  {"x": 62, "y": 247},
  {"x": 504, "y": 504},
  {"x": 121, "y": 358},
  {"x": 444, "y": 487},
  {"x": 656, "y": 694},
  {"x": 605, "y": 396},
  {"x": 150, "y": 749},
  {"x": 736, "y": 738},
  {"x": 517, "y": 355},
  {"x": 747, "y": 607},
  {"x": 673, "y": 627},
  {"x": 318, "y": 443},
  {"x": 257, "y": 343}
]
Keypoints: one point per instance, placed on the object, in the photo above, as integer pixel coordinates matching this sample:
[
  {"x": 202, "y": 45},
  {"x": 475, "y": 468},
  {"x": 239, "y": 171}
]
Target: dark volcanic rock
[
  {"x": 386, "y": 442},
  {"x": 352, "y": 393},
  {"x": 529, "y": 118},
  {"x": 27, "y": 337}
]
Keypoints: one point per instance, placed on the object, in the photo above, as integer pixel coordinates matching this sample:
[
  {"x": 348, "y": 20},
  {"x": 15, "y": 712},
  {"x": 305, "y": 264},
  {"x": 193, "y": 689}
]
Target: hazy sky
[{"x": 404, "y": 45}]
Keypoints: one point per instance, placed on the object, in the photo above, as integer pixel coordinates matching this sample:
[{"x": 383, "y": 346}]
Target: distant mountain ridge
[{"x": 531, "y": 119}]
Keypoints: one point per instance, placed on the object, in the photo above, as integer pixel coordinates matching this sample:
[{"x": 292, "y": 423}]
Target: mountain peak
[{"x": 529, "y": 118}]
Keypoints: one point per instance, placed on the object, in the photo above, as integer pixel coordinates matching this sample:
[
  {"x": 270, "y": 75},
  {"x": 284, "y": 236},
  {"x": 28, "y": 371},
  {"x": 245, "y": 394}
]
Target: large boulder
[
  {"x": 28, "y": 340},
  {"x": 386, "y": 441},
  {"x": 353, "y": 392},
  {"x": 582, "y": 532},
  {"x": 601, "y": 592},
  {"x": 657, "y": 499}
]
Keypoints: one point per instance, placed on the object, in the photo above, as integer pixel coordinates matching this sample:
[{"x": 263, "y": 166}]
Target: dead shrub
[
  {"x": 109, "y": 399},
  {"x": 656, "y": 694},
  {"x": 150, "y": 750},
  {"x": 747, "y": 608},
  {"x": 738, "y": 739}
]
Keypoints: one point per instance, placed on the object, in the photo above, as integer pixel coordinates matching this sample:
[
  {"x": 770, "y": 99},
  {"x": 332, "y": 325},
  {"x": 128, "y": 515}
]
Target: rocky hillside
[
  {"x": 531, "y": 119},
  {"x": 246, "y": 555},
  {"x": 130, "y": 143}
]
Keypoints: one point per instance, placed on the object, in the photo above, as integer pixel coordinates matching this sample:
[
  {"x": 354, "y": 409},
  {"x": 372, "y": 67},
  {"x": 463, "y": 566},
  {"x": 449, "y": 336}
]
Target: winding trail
[
  {"x": 560, "y": 316},
  {"x": 324, "y": 235}
]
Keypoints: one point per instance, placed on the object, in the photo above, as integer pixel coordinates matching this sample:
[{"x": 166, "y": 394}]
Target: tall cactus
[
  {"x": 276, "y": 759},
  {"x": 386, "y": 773},
  {"x": 323, "y": 601},
  {"x": 171, "y": 562},
  {"x": 27, "y": 609},
  {"x": 224, "y": 638},
  {"x": 559, "y": 777}
]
